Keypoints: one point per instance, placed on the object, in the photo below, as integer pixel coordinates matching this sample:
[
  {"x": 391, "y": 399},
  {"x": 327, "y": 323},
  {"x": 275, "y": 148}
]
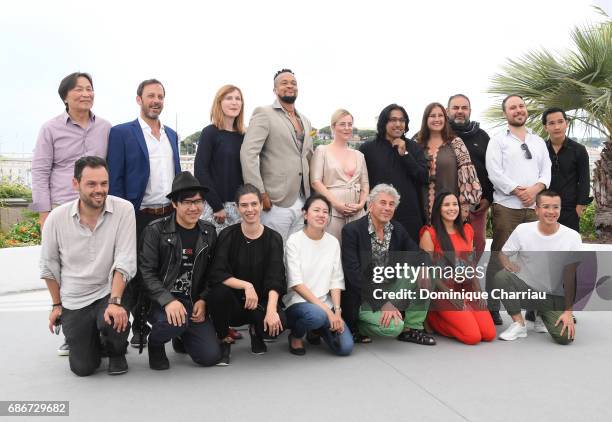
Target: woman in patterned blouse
[{"x": 450, "y": 166}]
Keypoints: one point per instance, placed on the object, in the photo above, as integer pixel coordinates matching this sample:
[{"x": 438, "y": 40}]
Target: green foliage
[
  {"x": 14, "y": 190},
  {"x": 587, "y": 222},
  {"x": 325, "y": 130},
  {"x": 189, "y": 144},
  {"x": 317, "y": 141},
  {"x": 24, "y": 233},
  {"x": 366, "y": 133},
  {"x": 579, "y": 80}
]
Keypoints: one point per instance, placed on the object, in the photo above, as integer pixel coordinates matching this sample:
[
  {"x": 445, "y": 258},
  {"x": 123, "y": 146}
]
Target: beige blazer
[{"x": 270, "y": 156}]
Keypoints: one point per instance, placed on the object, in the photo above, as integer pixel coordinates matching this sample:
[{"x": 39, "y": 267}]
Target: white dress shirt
[
  {"x": 508, "y": 166},
  {"x": 161, "y": 164}
]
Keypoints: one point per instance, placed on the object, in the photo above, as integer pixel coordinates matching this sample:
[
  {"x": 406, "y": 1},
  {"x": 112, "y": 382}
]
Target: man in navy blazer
[
  {"x": 372, "y": 243},
  {"x": 143, "y": 158}
]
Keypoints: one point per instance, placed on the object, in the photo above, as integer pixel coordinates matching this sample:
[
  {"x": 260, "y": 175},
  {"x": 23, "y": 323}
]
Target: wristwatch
[
  {"x": 114, "y": 301},
  {"x": 338, "y": 309}
]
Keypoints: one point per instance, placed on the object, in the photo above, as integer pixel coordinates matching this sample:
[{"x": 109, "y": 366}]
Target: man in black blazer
[{"x": 368, "y": 244}]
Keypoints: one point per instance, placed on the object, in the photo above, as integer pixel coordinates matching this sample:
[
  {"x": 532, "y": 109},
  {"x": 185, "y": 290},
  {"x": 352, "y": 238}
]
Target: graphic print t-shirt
[{"x": 189, "y": 238}]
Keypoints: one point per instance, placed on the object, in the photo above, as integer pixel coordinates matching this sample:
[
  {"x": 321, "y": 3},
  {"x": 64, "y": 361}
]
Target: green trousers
[
  {"x": 550, "y": 309},
  {"x": 368, "y": 321}
]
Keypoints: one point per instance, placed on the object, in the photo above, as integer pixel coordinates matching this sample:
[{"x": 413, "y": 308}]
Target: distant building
[{"x": 17, "y": 168}]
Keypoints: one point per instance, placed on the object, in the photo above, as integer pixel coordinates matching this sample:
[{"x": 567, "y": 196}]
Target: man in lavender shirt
[{"x": 75, "y": 133}]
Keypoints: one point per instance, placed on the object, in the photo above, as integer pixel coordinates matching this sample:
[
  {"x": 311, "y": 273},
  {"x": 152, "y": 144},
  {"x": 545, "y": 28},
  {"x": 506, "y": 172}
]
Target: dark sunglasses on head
[{"x": 525, "y": 148}]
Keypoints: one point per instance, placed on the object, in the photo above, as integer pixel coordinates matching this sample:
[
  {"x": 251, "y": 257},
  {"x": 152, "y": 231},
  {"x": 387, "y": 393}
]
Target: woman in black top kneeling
[{"x": 247, "y": 277}]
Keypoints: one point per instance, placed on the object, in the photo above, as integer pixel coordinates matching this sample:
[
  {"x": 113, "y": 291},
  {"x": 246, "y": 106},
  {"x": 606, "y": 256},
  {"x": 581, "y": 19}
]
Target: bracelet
[{"x": 56, "y": 304}]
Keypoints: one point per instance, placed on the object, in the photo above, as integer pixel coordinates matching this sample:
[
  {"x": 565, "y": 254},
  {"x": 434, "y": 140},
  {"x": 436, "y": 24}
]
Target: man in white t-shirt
[{"x": 540, "y": 262}]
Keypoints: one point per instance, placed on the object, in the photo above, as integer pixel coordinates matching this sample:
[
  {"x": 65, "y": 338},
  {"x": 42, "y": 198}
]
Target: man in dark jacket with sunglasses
[{"x": 176, "y": 251}]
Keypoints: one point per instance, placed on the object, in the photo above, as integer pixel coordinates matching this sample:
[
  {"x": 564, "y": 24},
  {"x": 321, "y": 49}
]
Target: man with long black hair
[{"x": 394, "y": 160}]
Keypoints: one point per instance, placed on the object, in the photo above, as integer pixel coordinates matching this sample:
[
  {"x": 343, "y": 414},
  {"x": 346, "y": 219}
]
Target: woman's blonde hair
[
  {"x": 216, "y": 112},
  {"x": 338, "y": 114}
]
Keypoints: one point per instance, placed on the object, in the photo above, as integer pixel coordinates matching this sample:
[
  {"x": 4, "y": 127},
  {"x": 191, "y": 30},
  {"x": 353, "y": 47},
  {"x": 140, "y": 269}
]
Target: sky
[{"x": 358, "y": 55}]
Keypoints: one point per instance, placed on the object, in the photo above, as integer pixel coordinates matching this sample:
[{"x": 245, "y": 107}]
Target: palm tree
[{"x": 579, "y": 81}]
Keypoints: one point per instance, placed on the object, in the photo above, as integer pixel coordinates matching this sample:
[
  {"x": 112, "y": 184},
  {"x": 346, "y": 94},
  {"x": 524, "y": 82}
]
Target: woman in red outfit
[{"x": 450, "y": 243}]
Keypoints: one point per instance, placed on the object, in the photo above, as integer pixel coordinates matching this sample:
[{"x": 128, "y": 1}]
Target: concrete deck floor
[{"x": 530, "y": 379}]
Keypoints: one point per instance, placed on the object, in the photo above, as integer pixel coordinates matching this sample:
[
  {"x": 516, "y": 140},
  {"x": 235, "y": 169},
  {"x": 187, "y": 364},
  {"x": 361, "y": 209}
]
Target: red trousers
[{"x": 469, "y": 327}]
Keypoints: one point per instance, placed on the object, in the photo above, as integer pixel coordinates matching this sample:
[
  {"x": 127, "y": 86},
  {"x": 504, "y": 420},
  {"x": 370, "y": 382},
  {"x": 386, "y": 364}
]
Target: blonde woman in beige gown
[{"x": 339, "y": 173}]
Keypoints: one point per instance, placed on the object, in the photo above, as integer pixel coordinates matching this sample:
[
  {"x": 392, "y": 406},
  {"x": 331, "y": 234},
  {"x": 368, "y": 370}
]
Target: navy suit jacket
[{"x": 128, "y": 161}]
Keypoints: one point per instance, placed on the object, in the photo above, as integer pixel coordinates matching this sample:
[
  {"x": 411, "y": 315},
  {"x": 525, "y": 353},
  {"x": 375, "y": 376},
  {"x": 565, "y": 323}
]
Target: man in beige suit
[{"x": 275, "y": 157}]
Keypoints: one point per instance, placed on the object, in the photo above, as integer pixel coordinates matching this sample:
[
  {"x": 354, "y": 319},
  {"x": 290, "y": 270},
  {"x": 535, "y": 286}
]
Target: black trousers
[
  {"x": 226, "y": 306},
  {"x": 199, "y": 338},
  {"x": 86, "y": 332},
  {"x": 569, "y": 218},
  {"x": 136, "y": 297}
]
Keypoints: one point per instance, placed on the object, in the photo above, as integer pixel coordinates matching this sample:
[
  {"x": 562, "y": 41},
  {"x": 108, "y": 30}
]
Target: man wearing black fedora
[{"x": 175, "y": 253}]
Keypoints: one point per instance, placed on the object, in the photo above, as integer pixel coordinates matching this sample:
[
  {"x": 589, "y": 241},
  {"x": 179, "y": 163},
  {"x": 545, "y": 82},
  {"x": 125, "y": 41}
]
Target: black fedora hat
[{"x": 185, "y": 181}]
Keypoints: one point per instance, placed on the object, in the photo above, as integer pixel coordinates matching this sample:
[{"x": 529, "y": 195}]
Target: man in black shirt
[
  {"x": 476, "y": 141},
  {"x": 570, "y": 175},
  {"x": 176, "y": 251},
  {"x": 394, "y": 160}
]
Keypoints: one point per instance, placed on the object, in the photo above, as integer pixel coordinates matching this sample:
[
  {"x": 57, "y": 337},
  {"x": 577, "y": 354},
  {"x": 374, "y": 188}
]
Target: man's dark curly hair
[{"x": 283, "y": 71}]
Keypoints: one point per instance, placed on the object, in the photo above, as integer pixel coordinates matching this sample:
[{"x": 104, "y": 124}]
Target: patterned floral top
[
  {"x": 464, "y": 180},
  {"x": 380, "y": 249}
]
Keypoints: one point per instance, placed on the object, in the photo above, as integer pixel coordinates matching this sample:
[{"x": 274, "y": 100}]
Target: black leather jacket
[{"x": 160, "y": 259}]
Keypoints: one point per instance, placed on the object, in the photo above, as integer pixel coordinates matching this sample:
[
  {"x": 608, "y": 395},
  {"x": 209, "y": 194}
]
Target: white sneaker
[
  {"x": 514, "y": 331},
  {"x": 63, "y": 350},
  {"x": 538, "y": 325}
]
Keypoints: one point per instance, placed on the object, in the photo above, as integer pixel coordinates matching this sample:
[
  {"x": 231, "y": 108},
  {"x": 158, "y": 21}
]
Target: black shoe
[
  {"x": 157, "y": 358},
  {"x": 178, "y": 345},
  {"x": 298, "y": 351},
  {"x": 117, "y": 365},
  {"x": 258, "y": 347},
  {"x": 360, "y": 338},
  {"x": 137, "y": 339},
  {"x": 268, "y": 338},
  {"x": 313, "y": 337},
  {"x": 226, "y": 352},
  {"x": 530, "y": 316},
  {"x": 417, "y": 336},
  {"x": 497, "y": 319}
]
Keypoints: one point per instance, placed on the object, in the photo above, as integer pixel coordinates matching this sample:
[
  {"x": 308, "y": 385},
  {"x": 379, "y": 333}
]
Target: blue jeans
[
  {"x": 199, "y": 339},
  {"x": 302, "y": 317}
]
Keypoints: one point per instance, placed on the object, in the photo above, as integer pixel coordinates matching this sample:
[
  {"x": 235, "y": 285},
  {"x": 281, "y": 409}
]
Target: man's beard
[
  {"x": 289, "y": 99},
  {"x": 465, "y": 123},
  {"x": 88, "y": 202}
]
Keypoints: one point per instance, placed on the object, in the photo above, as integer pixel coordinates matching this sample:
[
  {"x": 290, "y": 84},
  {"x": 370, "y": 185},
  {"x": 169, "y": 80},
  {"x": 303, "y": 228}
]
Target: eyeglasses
[
  {"x": 196, "y": 202},
  {"x": 525, "y": 148}
]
